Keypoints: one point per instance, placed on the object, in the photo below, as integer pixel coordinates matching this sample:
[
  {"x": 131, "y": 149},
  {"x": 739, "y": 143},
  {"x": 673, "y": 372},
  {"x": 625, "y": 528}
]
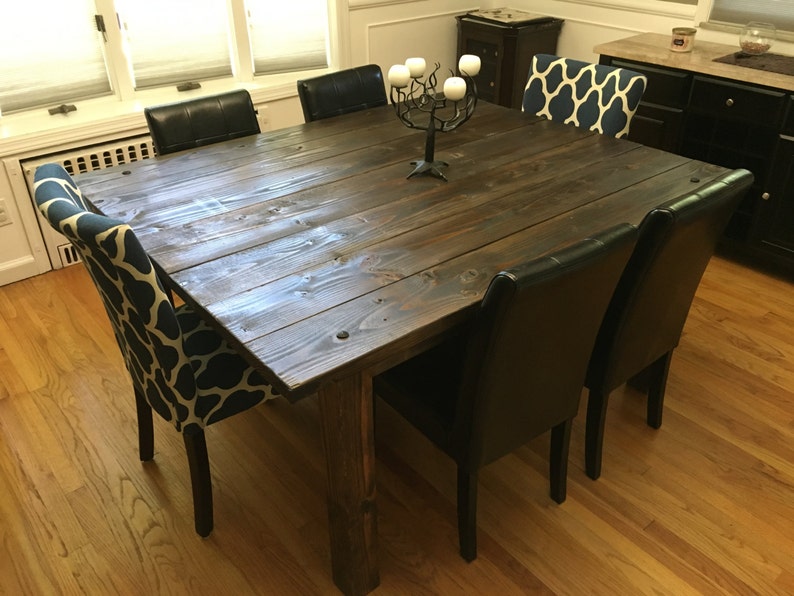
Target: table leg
[{"x": 347, "y": 422}]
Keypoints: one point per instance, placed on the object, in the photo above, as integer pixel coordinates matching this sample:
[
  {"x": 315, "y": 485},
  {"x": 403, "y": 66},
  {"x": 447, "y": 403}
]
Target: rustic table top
[{"x": 318, "y": 257}]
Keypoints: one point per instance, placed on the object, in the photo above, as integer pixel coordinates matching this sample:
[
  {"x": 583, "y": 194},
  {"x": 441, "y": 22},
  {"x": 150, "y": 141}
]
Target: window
[
  {"x": 61, "y": 56},
  {"x": 57, "y": 54},
  {"x": 187, "y": 41},
  {"x": 288, "y": 36},
  {"x": 777, "y": 12}
]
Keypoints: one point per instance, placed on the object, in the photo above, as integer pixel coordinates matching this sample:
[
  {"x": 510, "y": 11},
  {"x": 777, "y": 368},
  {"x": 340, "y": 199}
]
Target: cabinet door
[
  {"x": 774, "y": 226},
  {"x": 657, "y": 126},
  {"x": 660, "y": 115},
  {"x": 735, "y": 126}
]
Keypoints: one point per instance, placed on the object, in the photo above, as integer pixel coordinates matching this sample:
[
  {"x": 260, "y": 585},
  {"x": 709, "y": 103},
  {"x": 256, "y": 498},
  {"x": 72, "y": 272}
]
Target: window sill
[{"x": 102, "y": 117}]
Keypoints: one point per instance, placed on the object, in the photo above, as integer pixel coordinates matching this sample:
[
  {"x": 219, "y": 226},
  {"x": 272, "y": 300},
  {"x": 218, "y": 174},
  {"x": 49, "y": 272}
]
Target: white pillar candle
[
  {"x": 416, "y": 66},
  {"x": 399, "y": 75},
  {"x": 469, "y": 64},
  {"x": 454, "y": 88}
]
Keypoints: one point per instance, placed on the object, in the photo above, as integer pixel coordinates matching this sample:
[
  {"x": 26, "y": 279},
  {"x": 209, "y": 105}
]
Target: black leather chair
[
  {"x": 517, "y": 369},
  {"x": 201, "y": 121},
  {"x": 342, "y": 92},
  {"x": 646, "y": 316}
]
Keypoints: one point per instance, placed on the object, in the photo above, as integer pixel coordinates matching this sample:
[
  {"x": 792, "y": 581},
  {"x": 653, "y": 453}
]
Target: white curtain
[
  {"x": 50, "y": 53},
  {"x": 288, "y": 36},
  {"x": 174, "y": 41},
  {"x": 778, "y": 12}
]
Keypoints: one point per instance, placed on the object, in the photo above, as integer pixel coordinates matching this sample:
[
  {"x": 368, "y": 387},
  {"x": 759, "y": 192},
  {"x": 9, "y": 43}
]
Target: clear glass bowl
[{"x": 756, "y": 38}]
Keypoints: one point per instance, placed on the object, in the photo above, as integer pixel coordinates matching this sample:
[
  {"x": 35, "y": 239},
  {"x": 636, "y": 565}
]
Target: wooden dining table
[{"x": 309, "y": 249}]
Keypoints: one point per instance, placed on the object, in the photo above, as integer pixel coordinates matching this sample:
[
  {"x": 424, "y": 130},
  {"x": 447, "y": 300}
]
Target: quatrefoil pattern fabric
[
  {"x": 186, "y": 371},
  {"x": 592, "y": 96}
]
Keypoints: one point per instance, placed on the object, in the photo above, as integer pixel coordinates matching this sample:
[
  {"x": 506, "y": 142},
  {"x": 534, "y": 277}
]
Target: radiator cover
[{"x": 78, "y": 161}]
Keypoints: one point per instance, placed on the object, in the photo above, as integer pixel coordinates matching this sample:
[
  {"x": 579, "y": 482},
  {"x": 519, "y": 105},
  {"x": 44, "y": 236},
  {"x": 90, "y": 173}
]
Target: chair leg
[
  {"x": 201, "y": 483},
  {"x": 594, "y": 432},
  {"x": 467, "y": 514},
  {"x": 656, "y": 390},
  {"x": 558, "y": 460},
  {"x": 145, "y": 427}
]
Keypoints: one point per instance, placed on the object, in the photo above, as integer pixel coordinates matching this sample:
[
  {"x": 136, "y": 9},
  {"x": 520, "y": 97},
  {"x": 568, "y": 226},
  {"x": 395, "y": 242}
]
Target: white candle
[
  {"x": 416, "y": 66},
  {"x": 469, "y": 64},
  {"x": 399, "y": 75},
  {"x": 454, "y": 88}
]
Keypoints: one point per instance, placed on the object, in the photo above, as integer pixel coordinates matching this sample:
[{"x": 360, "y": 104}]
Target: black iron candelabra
[{"x": 419, "y": 104}]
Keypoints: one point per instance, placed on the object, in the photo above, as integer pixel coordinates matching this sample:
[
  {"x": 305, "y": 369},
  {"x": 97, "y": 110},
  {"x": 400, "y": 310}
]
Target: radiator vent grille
[
  {"x": 108, "y": 157},
  {"x": 79, "y": 161},
  {"x": 68, "y": 254},
  {"x": 91, "y": 159}
]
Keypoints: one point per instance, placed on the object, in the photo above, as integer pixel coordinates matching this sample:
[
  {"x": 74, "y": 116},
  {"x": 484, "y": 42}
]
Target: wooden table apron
[{"x": 312, "y": 253}]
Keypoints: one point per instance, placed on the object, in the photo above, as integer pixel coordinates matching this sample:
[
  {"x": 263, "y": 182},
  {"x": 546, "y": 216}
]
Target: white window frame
[{"x": 265, "y": 86}]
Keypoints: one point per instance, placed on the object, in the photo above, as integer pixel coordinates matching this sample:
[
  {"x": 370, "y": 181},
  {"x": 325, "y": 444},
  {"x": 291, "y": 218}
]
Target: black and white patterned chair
[
  {"x": 592, "y": 96},
  {"x": 179, "y": 367}
]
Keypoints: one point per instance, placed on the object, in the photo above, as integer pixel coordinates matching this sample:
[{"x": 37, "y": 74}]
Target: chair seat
[{"x": 425, "y": 389}]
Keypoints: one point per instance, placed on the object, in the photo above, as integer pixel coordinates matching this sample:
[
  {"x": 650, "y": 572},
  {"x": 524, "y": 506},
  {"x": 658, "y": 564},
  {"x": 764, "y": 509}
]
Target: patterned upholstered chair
[
  {"x": 517, "y": 371},
  {"x": 593, "y": 96},
  {"x": 179, "y": 367},
  {"x": 342, "y": 92},
  {"x": 201, "y": 121},
  {"x": 646, "y": 315}
]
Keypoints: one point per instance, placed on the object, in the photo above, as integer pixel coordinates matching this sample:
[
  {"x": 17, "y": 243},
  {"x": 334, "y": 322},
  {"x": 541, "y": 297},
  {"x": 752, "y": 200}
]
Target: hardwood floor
[{"x": 703, "y": 505}]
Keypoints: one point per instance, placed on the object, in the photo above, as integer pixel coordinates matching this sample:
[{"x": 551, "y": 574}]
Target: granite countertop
[{"x": 653, "y": 48}]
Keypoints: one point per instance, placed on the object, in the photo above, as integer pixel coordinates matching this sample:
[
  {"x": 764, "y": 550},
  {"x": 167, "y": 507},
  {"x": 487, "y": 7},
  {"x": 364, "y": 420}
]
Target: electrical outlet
[{"x": 5, "y": 218}]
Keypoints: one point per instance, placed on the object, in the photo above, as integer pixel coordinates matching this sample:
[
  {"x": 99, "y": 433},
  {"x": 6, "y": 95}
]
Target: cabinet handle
[
  {"x": 729, "y": 102},
  {"x": 765, "y": 196}
]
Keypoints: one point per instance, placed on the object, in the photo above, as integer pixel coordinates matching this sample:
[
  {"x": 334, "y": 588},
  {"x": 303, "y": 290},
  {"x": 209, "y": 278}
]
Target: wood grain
[{"x": 704, "y": 505}]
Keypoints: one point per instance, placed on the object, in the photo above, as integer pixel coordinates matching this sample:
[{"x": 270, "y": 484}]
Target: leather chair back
[
  {"x": 527, "y": 354},
  {"x": 201, "y": 121},
  {"x": 517, "y": 369},
  {"x": 592, "y": 96},
  {"x": 646, "y": 315},
  {"x": 342, "y": 92}
]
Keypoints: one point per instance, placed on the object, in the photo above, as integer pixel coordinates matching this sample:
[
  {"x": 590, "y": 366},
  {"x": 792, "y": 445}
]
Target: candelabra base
[{"x": 428, "y": 168}]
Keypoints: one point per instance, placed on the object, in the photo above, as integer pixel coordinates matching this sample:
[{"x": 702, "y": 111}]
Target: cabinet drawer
[
  {"x": 665, "y": 87},
  {"x": 488, "y": 52},
  {"x": 738, "y": 102}
]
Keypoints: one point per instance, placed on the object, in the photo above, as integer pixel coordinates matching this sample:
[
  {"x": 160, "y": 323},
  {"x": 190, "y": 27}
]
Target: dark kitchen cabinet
[
  {"x": 505, "y": 50},
  {"x": 735, "y": 125}
]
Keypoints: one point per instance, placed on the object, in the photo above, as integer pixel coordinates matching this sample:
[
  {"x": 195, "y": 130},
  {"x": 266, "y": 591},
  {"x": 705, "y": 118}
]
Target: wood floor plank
[{"x": 704, "y": 505}]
